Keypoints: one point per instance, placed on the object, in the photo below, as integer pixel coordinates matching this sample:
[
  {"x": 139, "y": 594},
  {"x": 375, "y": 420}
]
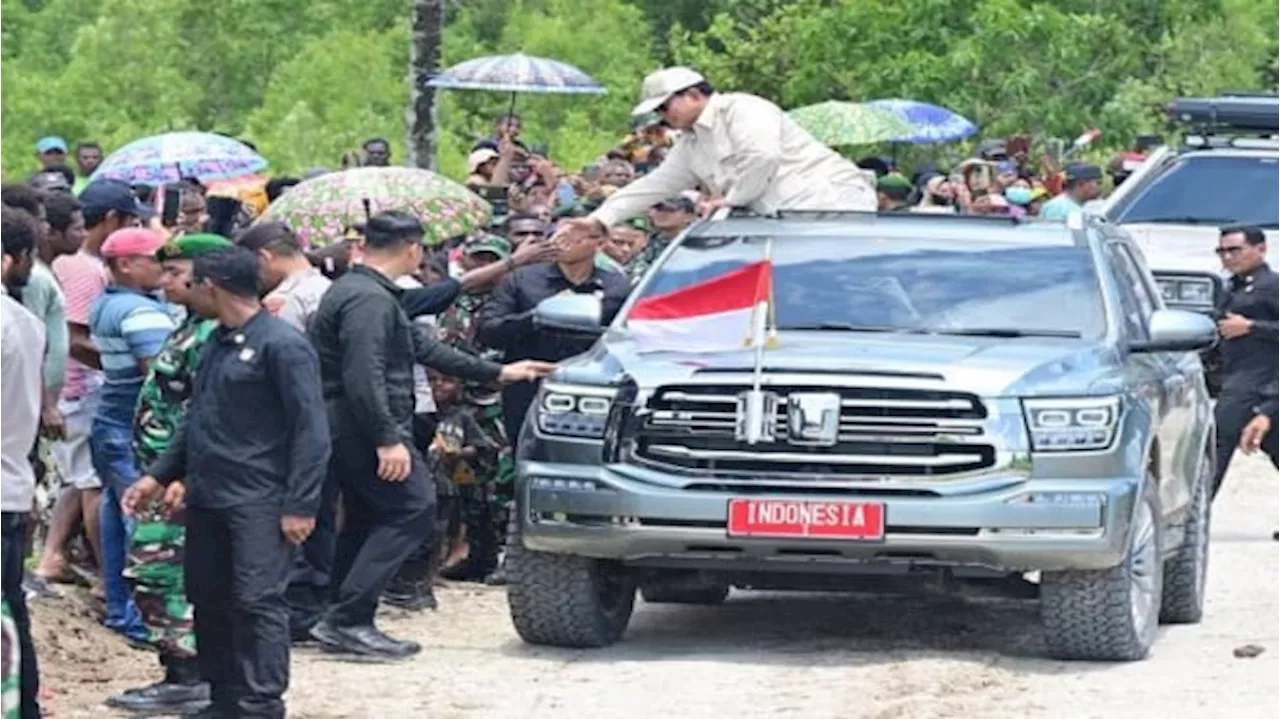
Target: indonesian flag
[{"x": 724, "y": 313}]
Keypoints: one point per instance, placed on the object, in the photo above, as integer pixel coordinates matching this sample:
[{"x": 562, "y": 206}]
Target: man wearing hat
[
  {"x": 893, "y": 193},
  {"x": 155, "y": 552},
  {"x": 129, "y": 326},
  {"x": 667, "y": 219},
  {"x": 737, "y": 146},
  {"x": 51, "y": 151},
  {"x": 1084, "y": 183}
]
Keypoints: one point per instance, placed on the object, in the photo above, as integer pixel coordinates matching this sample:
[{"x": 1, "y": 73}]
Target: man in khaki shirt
[{"x": 741, "y": 148}]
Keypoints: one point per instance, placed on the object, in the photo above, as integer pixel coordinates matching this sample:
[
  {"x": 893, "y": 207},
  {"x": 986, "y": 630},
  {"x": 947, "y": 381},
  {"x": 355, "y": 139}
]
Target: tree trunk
[{"x": 424, "y": 61}]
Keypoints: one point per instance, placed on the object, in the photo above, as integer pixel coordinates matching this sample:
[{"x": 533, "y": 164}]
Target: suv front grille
[{"x": 881, "y": 432}]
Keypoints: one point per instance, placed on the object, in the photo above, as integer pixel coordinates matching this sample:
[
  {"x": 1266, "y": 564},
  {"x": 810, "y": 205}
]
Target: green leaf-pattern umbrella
[
  {"x": 322, "y": 208},
  {"x": 839, "y": 124}
]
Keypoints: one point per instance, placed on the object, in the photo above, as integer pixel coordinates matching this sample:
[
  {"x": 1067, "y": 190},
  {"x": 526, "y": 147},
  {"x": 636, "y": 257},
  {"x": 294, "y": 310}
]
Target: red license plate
[{"x": 785, "y": 518}]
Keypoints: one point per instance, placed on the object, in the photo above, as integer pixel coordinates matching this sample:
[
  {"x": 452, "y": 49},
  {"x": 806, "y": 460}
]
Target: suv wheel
[
  {"x": 1109, "y": 614},
  {"x": 567, "y": 601},
  {"x": 660, "y": 592},
  {"x": 1185, "y": 572}
]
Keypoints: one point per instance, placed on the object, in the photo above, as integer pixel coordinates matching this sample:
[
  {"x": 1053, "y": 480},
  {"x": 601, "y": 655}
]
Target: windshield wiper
[
  {"x": 1183, "y": 220},
  {"x": 850, "y": 327},
  {"x": 1004, "y": 332}
]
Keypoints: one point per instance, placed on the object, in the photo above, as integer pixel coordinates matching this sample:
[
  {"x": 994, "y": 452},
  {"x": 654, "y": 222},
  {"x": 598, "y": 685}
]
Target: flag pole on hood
[{"x": 759, "y": 408}]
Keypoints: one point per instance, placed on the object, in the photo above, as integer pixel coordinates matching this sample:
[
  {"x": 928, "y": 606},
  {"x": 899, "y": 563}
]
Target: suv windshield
[
  {"x": 1208, "y": 190},
  {"x": 907, "y": 285}
]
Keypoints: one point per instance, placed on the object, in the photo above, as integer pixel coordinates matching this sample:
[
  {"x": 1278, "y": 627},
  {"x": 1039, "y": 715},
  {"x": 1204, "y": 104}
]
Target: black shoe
[
  {"x": 163, "y": 698},
  {"x": 497, "y": 578},
  {"x": 364, "y": 641},
  {"x": 414, "y": 601}
]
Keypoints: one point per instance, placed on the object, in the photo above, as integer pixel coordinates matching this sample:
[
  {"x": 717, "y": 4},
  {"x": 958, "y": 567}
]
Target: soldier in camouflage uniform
[
  {"x": 483, "y": 512},
  {"x": 155, "y": 567}
]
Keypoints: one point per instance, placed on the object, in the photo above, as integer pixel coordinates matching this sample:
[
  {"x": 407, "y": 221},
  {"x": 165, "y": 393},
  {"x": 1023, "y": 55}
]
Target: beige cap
[
  {"x": 658, "y": 87},
  {"x": 479, "y": 157}
]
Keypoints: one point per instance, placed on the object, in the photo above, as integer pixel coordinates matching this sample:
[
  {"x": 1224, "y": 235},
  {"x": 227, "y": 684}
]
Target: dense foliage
[{"x": 308, "y": 81}]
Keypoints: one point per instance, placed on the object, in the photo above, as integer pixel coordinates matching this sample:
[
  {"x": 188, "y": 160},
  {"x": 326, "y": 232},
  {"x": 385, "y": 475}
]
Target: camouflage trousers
[
  {"x": 155, "y": 572},
  {"x": 11, "y": 683}
]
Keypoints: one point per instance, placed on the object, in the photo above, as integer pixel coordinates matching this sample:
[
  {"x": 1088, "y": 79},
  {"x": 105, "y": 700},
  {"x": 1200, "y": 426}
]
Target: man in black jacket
[
  {"x": 1247, "y": 323},
  {"x": 367, "y": 346},
  {"x": 248, "y": 460},
  {"x": 506, "y": 320}
]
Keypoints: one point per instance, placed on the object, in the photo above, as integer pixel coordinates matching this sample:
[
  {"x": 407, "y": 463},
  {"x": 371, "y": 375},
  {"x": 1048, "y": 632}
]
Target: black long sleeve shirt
[
  {"x": 506, "y": 320},
  {"x": 367, "y": 347},
  {"x": 1251, "y": 361},
  {"x": 255, "y": 430}
]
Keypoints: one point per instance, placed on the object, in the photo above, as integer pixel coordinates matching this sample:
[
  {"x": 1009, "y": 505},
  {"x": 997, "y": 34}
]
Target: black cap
[
  {"x": 678, "y": 203},
  {"x": 1080, "y": 172},
  {"x": 114, "y": 195}
]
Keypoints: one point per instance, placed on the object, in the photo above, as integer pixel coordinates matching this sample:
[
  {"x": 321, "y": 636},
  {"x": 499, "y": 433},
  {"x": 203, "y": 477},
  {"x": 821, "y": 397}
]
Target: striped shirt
[
  {"x": 128, "y": 327},
  {"x": 84, "y": 278}
]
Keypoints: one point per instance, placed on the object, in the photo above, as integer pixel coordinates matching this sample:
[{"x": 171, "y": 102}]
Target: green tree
[{"x": 309, "y": 81}]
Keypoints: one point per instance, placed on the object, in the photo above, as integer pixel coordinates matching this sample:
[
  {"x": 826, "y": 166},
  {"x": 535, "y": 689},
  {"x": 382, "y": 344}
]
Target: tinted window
[
  {"x": 1135, "y": 302},
  {"x": 926, "y": 285},
  {"x": 1210, "y": 191}
]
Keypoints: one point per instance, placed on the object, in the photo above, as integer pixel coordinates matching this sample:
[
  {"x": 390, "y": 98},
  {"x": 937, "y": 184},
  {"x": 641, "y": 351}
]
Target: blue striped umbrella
[
  {"x": 929, "y": 123},
  {"x": 517, "y": 73}
]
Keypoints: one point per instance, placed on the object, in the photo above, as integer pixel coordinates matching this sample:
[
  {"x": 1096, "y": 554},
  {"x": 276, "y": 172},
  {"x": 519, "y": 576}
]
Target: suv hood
[{"x": 991, "y": 367}]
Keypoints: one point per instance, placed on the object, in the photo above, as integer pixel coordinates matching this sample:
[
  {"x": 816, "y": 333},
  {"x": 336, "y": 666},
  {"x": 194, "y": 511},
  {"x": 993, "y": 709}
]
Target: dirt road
[{"x": 782, "y": 655}]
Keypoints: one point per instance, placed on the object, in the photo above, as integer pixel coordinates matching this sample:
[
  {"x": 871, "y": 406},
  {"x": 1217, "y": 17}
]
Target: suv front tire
[
  {"x": 567, "y": 601},
  {"x": 1110, "y": 614}
]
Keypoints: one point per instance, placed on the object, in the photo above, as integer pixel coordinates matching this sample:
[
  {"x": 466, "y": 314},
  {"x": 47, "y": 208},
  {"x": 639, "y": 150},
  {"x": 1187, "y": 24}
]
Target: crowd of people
[{"x": 241, "y": 442}]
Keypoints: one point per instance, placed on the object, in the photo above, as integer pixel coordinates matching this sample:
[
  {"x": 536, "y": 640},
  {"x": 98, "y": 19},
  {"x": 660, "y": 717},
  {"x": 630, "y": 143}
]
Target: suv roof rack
[
  {"x": 743, "y": 212},
  {"x": 1240, "y": 113}
]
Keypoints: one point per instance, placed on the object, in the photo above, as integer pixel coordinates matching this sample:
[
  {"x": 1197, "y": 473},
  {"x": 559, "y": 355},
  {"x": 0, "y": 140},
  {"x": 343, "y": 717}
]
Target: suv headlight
[
  {"x": 1071, "y": 424},
  {"x": 574, "y": 411},
  {"x": 1189, "y": 292}
]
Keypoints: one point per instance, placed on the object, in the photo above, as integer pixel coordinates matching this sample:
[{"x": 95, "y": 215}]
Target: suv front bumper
[{"x": 1002, "y": 522}]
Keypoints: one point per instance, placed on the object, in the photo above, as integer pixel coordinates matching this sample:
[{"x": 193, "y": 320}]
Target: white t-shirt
[
  {"x": 21, "y": 374},
  {"x": 423, "y": 401}
]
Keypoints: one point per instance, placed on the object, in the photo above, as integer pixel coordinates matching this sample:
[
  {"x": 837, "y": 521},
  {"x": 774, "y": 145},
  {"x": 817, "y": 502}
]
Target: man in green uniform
[
  {"x": 156, "y": 548},
  {"x": 484, "y": 513}
]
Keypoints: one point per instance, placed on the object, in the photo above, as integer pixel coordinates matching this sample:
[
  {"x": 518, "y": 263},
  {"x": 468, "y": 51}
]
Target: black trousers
[
  {"x": 237, "y": 565},
  {"x": 310, "y": 573},
  {"x": 1233, "y": 412},
  {"x": 383, "y": 524},
  {"x": 14, "y": 547}
]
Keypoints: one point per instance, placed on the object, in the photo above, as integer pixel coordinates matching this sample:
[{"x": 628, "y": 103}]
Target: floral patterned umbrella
[
  {"x": 321, "y": 209},
  {"x": 168, "y": 158},
  {"x": 840, "y": 124}
]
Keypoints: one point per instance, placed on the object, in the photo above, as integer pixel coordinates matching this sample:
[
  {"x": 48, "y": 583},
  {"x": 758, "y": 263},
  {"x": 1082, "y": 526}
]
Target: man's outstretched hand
[
  {"x": 146, "y": 490},
  {"x": 525, "y": 371}
]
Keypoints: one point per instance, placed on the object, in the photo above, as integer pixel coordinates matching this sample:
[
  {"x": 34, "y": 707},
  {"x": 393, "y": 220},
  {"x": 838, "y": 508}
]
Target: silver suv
[{"x": 970, "y": 399}]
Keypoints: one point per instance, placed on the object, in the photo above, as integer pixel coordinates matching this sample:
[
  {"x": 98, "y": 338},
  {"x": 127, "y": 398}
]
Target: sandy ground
[{"x": 776, "y": 655}]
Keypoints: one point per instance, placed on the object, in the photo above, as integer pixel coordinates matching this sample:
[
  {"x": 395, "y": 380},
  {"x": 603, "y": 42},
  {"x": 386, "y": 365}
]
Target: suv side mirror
[
  {"x": 1177, "y": 331},
  {"x": 574, "y": 313}
]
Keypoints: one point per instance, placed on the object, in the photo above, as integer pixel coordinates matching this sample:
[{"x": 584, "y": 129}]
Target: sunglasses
[{"x": 1228, "y": 251}]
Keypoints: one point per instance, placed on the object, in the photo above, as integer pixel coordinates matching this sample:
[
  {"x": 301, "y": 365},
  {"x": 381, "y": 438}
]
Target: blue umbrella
[
  {"x": 517, "y": 73},
  {"x": 929, "y": 123}
]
